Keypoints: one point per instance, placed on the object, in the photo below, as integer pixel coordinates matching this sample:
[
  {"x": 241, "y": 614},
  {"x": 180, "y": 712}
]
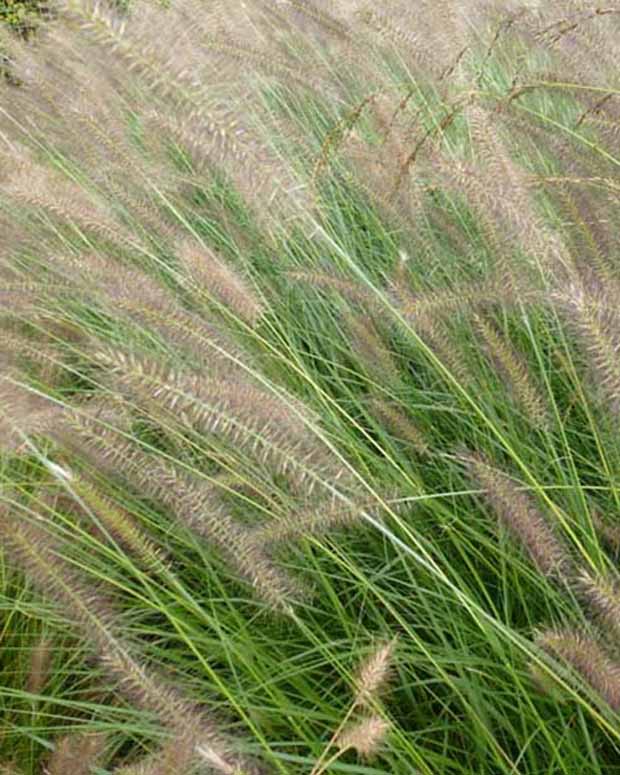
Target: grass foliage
[{"x": 310, "y": 389}]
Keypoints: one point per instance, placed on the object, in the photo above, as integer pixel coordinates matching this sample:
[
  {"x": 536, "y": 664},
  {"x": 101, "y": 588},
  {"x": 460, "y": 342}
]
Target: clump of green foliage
[
  {"x": 22, "y": 16},
  {"x": 309, "y": 386}
]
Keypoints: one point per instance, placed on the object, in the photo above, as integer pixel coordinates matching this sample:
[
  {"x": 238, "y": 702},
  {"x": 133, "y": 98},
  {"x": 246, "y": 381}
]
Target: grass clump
[{"x": 309, "y": 389}]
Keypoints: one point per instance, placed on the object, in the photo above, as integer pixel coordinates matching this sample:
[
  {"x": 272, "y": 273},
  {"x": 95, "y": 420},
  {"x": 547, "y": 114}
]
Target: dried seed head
[
  {"x": 586, "y": 656},
  {"x": 365, "y": 340},
  {"x": 211, "y": 276},
  {"x": 119, "y": 522},
  {"x": 398, "y": 423},
  {"x": 77, "y": 754},
  {"x": 22, "y": 412},
  {"x": 374, "y": 674},
  {"x": 610, "y": 534},
  {"x": 321, "y": 517},
  {"x": 175, "y": 757},
  {"x": 513, "y": 369},
  {"x": 521, "y": 516},
  {"x": 365, "y": 736},
  {"x": 602, "y": 594},
  {"x": 592, "y": 312},
  {"x": 349, "y": 289},
  {"x": 40, "y": 663}
]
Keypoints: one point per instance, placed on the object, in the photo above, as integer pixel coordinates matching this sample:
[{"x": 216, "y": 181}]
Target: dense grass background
[{"x": 420, "y": 225}]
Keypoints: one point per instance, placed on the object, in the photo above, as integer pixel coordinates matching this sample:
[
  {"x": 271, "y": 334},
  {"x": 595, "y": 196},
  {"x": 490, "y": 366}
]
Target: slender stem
[
  {"x": 331, "y": 760},
  {"x": 318, "y": 767}
]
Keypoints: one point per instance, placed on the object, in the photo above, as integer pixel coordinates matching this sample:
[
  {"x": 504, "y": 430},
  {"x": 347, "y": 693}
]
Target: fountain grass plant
[{"x": 309, "y": 379}]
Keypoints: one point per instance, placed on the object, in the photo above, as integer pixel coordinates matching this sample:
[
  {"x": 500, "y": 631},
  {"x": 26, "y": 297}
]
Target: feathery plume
[
  {"x": 119, "y": 522},
  {"x": 20, "y": 296},
  {"x": 164, "y": 76},
  {"x": 322, "y": 18},
  {"x": 513, "y": 369},
  {"x": 349, "y": 289},
  {"x": 610, "y": 534},
  {"x": 451, "y": 113},
  {"x": 371, "y": 168},
  {"x": 256, "y": 177},
  {"x": 585, "y": 655},
  {"x": 365, "y": 736},
  {"x": 593, "y": 313},
  {"x": 264, "y": 60},
  {"x": 366, "y": 342},
  {"x": 429, "y": 313},
  {"x": 588, "y": 214},
  {"x": 177, "y": 757},
  {"x": 505, "y": 227},
  {"x": 423, "y": 48},
  {"x": 602, "y": 593},
  {"x": 318, "y": 519},
  {"x": 507, "y": 183},
  {"x": 33, "y": 185},
  {"x": 40, "y": 664},
  {"x": 77, "y": 754},
  {"x": 398, "y": 423},
  {"x": 22, "y": 412},
  {"x": 544, "y": 683},
  {"x": 423, "y": 307},
  {"x": 337, "y": 134},
  {"x": 440, "y": 340},
  {"x": 374, "y": 674},
  {"x": 521, "y": 516},
  {"x": 133, "y": 370},
  {"x": 34, "y": 354},
  {"x": 190, "y": 111},
  {"x": 210, "y": 275}
]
